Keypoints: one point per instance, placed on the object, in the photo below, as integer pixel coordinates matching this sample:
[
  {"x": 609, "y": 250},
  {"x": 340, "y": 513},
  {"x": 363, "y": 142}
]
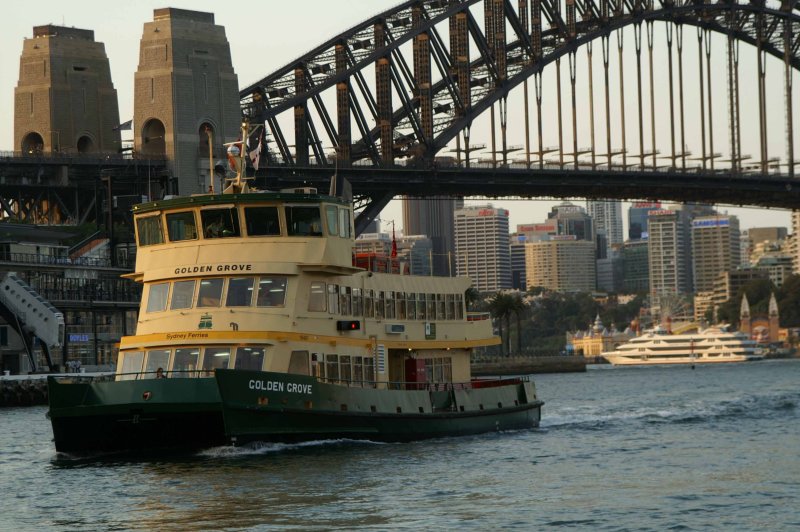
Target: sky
[{"x": 266, "y": 35}]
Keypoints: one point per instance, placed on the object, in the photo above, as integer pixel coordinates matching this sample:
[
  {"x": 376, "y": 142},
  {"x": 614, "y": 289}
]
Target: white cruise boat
[{"x": 658, "y": 346}]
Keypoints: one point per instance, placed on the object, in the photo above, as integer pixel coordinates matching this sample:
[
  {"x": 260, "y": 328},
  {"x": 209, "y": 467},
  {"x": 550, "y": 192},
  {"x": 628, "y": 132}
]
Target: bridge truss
[{"x": 380, "y": 103}]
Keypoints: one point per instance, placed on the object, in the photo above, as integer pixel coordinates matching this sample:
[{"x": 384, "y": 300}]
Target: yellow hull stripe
[{"x": 274, "y": 337}]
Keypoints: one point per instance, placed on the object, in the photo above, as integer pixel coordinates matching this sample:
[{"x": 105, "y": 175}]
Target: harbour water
[{"x": 638, "y": 448}]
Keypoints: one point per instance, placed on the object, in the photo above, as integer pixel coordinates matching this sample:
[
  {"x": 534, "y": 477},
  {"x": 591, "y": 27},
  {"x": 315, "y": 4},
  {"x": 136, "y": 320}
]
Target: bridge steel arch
[{"x": 431, "y": 114}]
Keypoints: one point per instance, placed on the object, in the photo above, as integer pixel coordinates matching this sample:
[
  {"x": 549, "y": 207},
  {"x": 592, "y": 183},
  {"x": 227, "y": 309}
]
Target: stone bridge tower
[
  {"x": 64, "y": 100},
  {"x": 185, "y": 85}
]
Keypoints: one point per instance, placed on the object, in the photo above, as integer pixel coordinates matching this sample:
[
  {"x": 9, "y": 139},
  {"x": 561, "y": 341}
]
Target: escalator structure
[{"x": 31, "y": 317}]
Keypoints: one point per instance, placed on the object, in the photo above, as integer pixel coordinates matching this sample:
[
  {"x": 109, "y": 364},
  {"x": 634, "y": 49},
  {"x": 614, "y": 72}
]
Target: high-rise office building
[
  {"x": 794, "y": 247},
  {"x": 64, "y": 100},
  {"x": 635, "y": 266},
  {"x": 669, "y": 253},
  {"x": 434, "y": 219},
  {"x": 517, "y": 254},
  {"x": 562, "y": 263},
  {"x": 184, "y": 88},
  {"x": 637, "y": 218},
  {"x": 571, "y": 220},
  {"x": 715, "y": 248},
  {"x": 482, "y": 247},
  {"x": 607, "y": 216}
]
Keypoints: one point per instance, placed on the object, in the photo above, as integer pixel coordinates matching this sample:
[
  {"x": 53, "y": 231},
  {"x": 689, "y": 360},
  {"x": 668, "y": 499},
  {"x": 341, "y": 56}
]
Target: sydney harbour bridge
[
  {"x": 394, "y": 104},
  {"x": 619, "y": 99}
]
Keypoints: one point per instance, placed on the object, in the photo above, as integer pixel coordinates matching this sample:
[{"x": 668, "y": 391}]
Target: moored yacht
[{"x": 658, "y": 346}]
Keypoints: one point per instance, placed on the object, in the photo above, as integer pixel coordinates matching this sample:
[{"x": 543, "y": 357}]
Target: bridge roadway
[{"x": 377, "y": 186}]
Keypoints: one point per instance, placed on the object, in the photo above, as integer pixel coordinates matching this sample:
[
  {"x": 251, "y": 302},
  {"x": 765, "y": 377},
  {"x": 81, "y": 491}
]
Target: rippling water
[{"x": 658, "y": 448}]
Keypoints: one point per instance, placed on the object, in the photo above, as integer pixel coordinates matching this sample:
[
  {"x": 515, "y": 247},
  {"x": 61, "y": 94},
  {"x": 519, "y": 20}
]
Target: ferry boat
[
  {"x": 658, "y": 346},
  {"x": 263, "y": 329}
]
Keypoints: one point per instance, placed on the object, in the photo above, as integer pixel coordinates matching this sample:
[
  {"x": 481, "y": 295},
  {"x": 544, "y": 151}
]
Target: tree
[
  {"x": 471, "y": 297},
  {"x": 788, "y": 299},
  {"x": 519, "y": 307},
  {"x": 501, "y": 307}
]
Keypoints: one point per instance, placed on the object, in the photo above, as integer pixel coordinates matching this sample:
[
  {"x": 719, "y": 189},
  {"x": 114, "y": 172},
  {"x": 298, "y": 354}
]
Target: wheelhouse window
[
  {"x": 215, "y": 358},
  {"x": 150, "y": 231},
  {"x": 251, "y": 358},
  {"x": 262, "y": 221},
  {"x": 271, "y": 292},
  {"x": 344, "y": 222},
  {"x": 181, "y": 226},
  {"x": 303, "y": 221},
  {"x": 182, "y": 294},
  {"x": 157, "y": 298},
  {"x": 185, "y": 363},
  {"x": 210, "y": 293},
  {"x": 156, "y": 358},
  {"x": 332, "y": 217},
  {"x": 131, "y": 365},
  {"x": 220, "y": 223},
  {"x": 316, "y": 297},
  {"x": 240, "y": 292}
]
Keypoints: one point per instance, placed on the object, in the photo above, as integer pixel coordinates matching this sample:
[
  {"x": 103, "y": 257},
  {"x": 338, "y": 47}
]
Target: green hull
[
  {"x": 262, "y": 406},
  {"x": 135, "y": 415}
]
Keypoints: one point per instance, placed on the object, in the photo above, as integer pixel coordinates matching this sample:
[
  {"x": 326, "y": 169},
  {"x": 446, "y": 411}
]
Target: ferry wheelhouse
[{"x": 264, "y": 327}]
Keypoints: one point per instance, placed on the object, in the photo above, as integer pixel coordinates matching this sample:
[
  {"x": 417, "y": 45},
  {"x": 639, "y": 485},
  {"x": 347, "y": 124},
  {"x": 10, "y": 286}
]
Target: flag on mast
[
  {"x": 394, "y": 243},
  {"x": 255, "y": 155}
]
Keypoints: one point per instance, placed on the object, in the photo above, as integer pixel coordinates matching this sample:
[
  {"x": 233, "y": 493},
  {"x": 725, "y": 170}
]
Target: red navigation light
[{"x": 348, "y": 325}]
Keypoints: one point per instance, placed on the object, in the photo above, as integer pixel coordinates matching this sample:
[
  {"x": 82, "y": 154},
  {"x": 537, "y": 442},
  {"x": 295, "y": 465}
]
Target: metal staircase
[{"x": 31, "y": 316}]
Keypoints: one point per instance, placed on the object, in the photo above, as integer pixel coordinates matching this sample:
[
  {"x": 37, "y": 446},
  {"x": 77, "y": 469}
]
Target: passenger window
[
  {"x": 131, "y": 365},
  {"x": 368, "y": 307},
  {"x": 357, "y": 302},
  {"x": 333, "y": 298},
  {"x": 215, "y": 358},
  {"x": 271, "y": 292},
  {"x": 210, "y": 294},
  {"x": 333, "y": 222},
  {"x": 380, "y": 303},
  {"x": 262, "y": 221},
  {"x": 316, "y": 297},
  {"x": 240, "y": 292},
  {"x": 412, "y": 306},
  {"x": 181, "y": 226},
  {"x": 344, "y": 300},
  {"x": 182, "y": 294},
  {"x": 251, "y": 358},
  {"x": 157, "y": 298},
  {"x": 157, "y": 358},
  {"x": 220, "y": 223},
  {"x": 150, "y": 231},
  {"x": 185, "y": 363},
  {"x": 332, "y": 368},
  {"x": 298, "y": 363},
  {"x": 303, "y": 221}
]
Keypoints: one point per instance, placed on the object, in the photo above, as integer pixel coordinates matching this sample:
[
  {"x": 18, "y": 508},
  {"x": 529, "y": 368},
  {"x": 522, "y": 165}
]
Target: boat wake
[
  {"x": 264, "y": 448},
  {"x": 594, "y": 417}
]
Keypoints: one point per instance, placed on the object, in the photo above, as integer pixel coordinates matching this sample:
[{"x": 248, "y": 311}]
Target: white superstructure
[{"x": 657, "y": 346}]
